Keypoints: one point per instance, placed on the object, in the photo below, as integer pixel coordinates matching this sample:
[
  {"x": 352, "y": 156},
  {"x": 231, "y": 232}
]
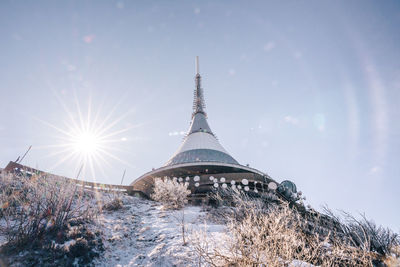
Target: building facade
[{"x": 202, "y": 162}]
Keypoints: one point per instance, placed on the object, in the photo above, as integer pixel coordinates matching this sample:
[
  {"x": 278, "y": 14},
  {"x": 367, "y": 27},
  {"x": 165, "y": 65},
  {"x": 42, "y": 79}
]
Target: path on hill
[{"x": 142, "y": 234}]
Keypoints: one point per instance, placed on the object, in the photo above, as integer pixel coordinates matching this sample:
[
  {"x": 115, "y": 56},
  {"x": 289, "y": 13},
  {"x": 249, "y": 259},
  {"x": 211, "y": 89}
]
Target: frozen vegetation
[{"x": 48, "y": 222}]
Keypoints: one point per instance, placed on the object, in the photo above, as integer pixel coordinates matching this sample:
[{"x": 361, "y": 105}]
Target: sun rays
[{"x": 88, "y": 138}]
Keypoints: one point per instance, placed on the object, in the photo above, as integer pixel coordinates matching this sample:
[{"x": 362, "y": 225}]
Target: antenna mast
[
  {"x": 198, "y": 101},
  {"x": 197, "y": 65}
]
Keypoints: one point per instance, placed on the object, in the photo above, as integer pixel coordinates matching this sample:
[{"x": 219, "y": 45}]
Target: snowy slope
[{"x": 143, "y": 234}]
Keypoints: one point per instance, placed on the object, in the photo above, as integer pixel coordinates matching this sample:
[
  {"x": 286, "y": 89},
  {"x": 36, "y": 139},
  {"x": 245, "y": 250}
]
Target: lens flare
[{"x": 88, "y": 140}]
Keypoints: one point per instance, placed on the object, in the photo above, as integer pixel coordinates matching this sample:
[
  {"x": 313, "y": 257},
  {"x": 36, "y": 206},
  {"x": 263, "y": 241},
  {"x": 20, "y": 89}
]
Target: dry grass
[
  {"x": 272, "y": 235},
  {"x": 393, "y": 260},
  {"x": 365, "y": 234},
  {"x": 39, "y": 215},
  {"x": 114, "y": 204},
  {"x": 31, "y": 207},
  {"x": 112, "y": 201}
]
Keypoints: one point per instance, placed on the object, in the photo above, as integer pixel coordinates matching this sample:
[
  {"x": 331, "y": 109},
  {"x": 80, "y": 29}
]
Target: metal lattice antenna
[{"x": 199, "y": 105}]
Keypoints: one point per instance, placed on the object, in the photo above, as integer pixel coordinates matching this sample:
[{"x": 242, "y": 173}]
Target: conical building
[
  {"x": 200, "y": 143},
  {"x": 202, "y": 161}
]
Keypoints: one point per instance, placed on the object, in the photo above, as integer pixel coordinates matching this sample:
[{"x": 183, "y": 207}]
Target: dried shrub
[
  {"x": 230, "y": 204},
  {"x": 172, "y": 194},
  {"x": 365, "y": 234},
  {"x": 31, "y": 207},
  {"x": 46, "y": 220},
  {"x": 273, "y": 235},
  {"x": 79, "y": 248},
  {"x": 113, "y": 205}
]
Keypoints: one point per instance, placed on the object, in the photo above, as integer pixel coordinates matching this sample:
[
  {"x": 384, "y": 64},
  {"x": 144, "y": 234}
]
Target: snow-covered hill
[
  {"x": 143, "y": 234},
  {"x": 112, "y": 229}
]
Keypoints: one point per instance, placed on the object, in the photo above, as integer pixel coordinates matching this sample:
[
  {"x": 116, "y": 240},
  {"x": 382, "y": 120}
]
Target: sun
[
  {"x": 87, "y": 143},
  {"x": 89, "y": 140}
]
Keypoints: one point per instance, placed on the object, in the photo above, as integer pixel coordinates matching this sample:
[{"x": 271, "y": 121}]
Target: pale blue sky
[{"x": 302, "y": 90}]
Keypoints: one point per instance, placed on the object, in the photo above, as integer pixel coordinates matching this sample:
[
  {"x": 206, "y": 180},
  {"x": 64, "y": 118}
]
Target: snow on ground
[
  {"x": 143, "y": 234},
  {"x": 3, "y": 240}
]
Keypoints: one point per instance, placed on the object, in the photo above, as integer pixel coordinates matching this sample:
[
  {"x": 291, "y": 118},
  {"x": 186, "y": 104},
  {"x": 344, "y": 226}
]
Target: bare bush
[
  {"x": 172, "y": 194},
  {"x": 365, "y": 234},
  {"x": 230, "y": 204},
  {"x": 242, "y": 203},
  {"x": 259, "y": 235},
  {"x": 34, "y": 206},
  {"x": 114, "y": 204}
]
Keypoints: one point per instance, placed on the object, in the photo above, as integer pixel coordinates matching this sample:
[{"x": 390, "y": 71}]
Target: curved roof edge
[
  {"x": 201, "y": 155},
  {"x": 238, "y": 166}
]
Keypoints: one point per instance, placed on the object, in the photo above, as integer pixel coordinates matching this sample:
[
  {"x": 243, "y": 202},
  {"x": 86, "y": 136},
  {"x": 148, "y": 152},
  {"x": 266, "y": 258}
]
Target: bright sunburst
[
  {"x": 88, "y": 139},
  {"x": 86, "y": 142}
]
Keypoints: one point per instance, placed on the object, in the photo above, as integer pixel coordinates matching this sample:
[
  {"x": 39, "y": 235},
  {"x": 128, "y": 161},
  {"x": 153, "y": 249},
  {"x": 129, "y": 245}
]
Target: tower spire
[
  {"x": 198, "y": 101},
  {"x": 200, "y": 143},
  {"x": 197, "y": 65}
]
